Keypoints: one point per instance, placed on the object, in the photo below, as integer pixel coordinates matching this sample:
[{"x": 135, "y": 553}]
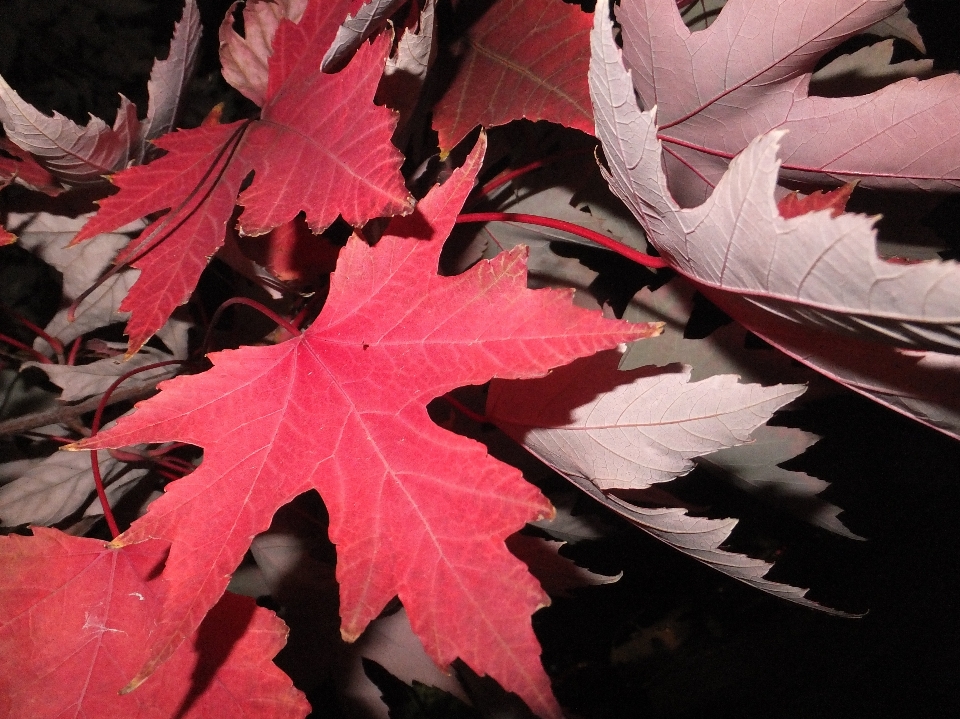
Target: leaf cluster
[{"x": 389, "y": 259}]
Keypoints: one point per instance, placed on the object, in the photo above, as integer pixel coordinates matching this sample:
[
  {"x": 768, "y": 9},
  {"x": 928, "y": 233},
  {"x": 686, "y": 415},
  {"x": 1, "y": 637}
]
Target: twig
[{"x": 66, "y": 413}]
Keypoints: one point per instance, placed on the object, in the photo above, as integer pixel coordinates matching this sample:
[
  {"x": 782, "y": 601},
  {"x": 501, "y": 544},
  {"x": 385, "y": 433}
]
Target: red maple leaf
[
  {"x": 416, "y": 511},
  {"x": 320, "y": 146},
  {"x": 792, "y": 205},
  {"x": 523, "y": 59},
  {"x": 77, "y": 619}
]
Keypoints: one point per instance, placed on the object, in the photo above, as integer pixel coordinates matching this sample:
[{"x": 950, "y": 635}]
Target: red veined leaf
[{"x": 304, "y": 157}]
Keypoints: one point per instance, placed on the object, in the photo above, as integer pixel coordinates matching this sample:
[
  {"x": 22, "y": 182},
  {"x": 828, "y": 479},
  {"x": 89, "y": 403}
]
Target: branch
[{"x": 60, "y": 415}]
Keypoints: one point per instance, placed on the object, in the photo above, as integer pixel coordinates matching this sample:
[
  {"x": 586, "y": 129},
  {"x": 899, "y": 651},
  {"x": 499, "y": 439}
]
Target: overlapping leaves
[
  {"x": 303, "y": 158},
  {"x": 345, "y": 403},
  {"x": 786, "y": 278}
]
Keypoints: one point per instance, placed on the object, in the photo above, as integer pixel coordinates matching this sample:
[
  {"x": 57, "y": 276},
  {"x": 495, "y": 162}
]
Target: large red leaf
[
  {"x": 749, "y": 72},
  {"x": 415, "y": 511},
  {"x": 304, "y": 157},
  {"x": 78, "y": 615},
  {"x": 523, "y": 59}
]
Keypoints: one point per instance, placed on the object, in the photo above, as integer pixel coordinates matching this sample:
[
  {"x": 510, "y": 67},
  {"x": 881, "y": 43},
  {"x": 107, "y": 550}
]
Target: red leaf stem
[
  {"x": 466, "y": 411},
  {"x": 26, "y": 348},
  {"x": 164, "y": 448},
  {"x": 56, "y": 344},
  {"x": 168, "y": 475},
  {"x": 265, "y": 311},
  {"x": 74, "y": 349},
  {"x": 95, "y": 427},
  {"x": 506, "y": 177},
  {"x": 602, "y": 240},
  {"x": 176, "y": 464},
  {"x": 177, "y": 468},
  {"x": 102, "y": 495}
]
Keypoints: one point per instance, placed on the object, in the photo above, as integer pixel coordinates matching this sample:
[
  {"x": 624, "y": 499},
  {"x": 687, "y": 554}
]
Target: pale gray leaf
[
  {"x": 371, "y": 16},
  {"x": 701, "y": 538},
  {"x": 922, "y": 385},
  {"x": 390, "y": 642},
  {"x": 175, "y": 336},
  {"x": 46, "y": 491},
  {"x": 813, "y": 269},
  {"x": 80, "y": 382},
  {"x": 628, "y": 430},
  {"x": 723, "y": 351},
  {"x": 899, "y": 25},
  {"x": 566, "y": 526},
  {"x": 73, "y": 154},
  {"x": 557, "y": 575},
  {"x": 48, "y": 237},
  {"x": 98, "y": 309},
  {"x": 406, "y": 70},
  {"x": 753, "y": 468},
  {"x": 168, "y": 78},
  {"x": 21, "y": 396},
  {"x": 748, "y": 74},
  {"x": 866, "y": 70}
]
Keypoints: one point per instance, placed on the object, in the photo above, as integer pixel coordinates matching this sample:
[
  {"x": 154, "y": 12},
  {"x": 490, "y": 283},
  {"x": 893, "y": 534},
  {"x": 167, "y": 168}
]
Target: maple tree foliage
[
  {"x": 706, "y": 117},
  {"x": 707, "y": 161},
  {"x": 368, "y": 449},
  {"x": 77, "y": 612},
  {"x": 786, "y": 278},
  {"x": 302, "y": 156},
  {"x": 520, "y": 62}
]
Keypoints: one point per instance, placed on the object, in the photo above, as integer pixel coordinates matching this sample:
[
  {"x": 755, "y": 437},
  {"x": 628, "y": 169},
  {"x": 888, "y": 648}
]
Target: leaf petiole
[
  {"x": 95, "y": 427},
  {"x": 602, "y": 240}
]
